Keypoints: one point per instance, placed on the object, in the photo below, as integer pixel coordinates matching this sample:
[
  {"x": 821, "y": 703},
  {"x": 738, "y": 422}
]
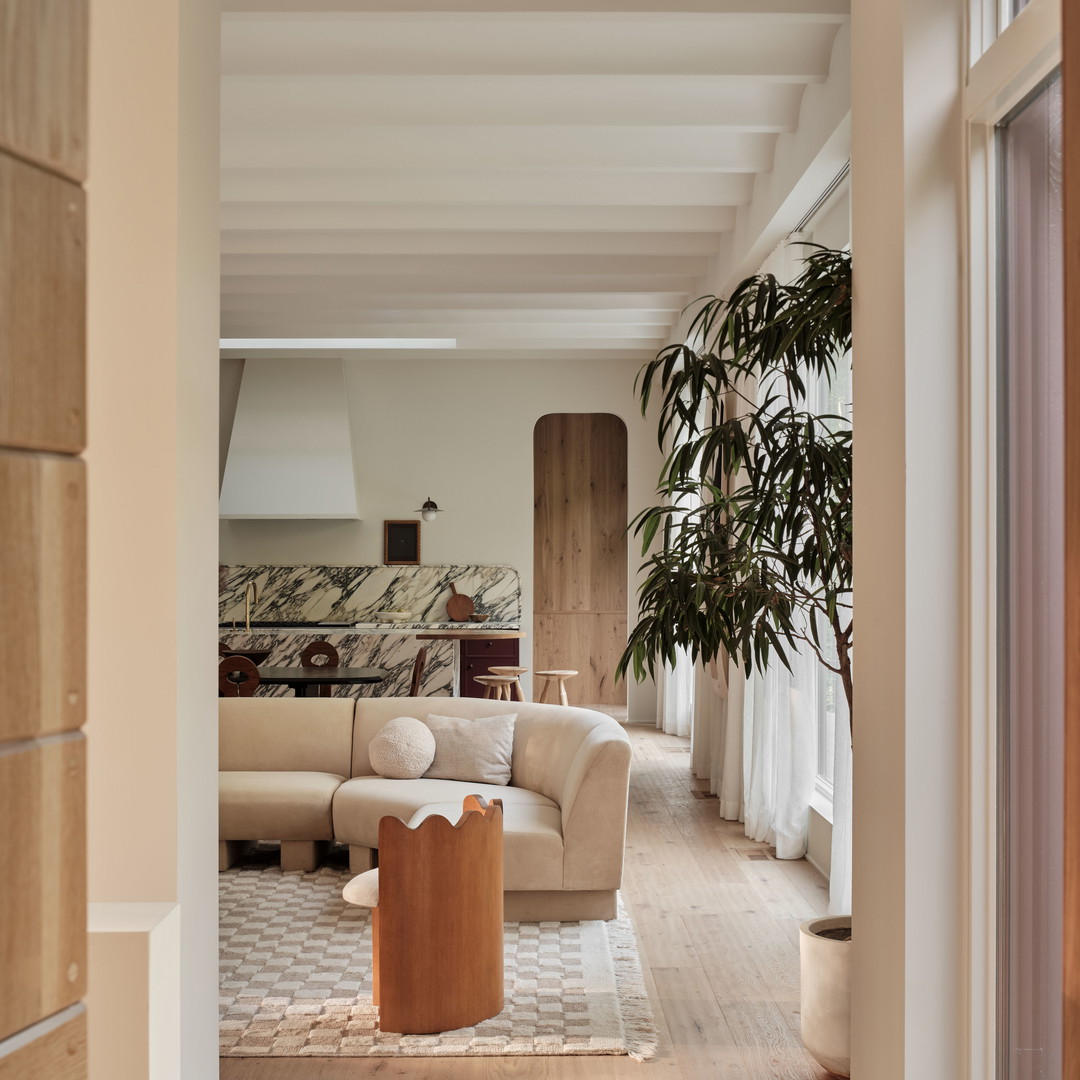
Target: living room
[{"x": 153, "y": 519}]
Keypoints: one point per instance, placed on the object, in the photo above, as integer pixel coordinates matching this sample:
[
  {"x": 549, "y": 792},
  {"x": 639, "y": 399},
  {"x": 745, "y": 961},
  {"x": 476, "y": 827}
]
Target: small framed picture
[{"x": 401, "y": 543}]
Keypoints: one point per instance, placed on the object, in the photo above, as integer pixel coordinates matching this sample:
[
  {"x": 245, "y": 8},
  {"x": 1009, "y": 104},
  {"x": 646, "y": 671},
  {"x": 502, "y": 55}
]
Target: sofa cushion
[
  {"x": 403, "y": 749},
  {"x": 271, "y": 734},
  {"x": 532, "y": 842},
  {"x": 479, "y": 749},
  {"x": 277, "y": 805}
]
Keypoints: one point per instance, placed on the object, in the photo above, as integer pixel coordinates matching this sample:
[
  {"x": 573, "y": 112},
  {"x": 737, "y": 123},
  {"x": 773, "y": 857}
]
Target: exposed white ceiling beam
[
  {"x": 530, "y": 44},
  {"x": 788, "y": 10},
  {"x": 460, "y": 267},
  {"x": 500, "y": 353},
  {"x": 462, "y": 331},
  {"x": 237, "y": 216},
  {"x": 548, "y": 187},
  {"x": 442, "y": 302},
  {"x": 502, "y": 148},
  {"x": 447, "y": 242},
  {"x": 238, "y": 308},
  {"x": 497, "y": 283},
  {"x": 520, "y": 100}
]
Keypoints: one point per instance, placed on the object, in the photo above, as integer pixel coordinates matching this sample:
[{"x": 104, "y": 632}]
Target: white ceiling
[{"x": 536, "y": 178}]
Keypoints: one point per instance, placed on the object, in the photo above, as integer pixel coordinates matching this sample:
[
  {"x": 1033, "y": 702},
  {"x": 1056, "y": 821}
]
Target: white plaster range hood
[{"x": 290, "y": 454}]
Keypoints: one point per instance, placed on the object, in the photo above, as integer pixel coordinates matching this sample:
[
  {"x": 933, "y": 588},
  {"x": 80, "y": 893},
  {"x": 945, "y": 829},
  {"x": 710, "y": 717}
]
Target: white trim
[
  {"x": 1022, "y": 56},
  {"x": 1025, "y": 53},
  {"x": 981, "y": 599},
  {"x": 821, "y": 799}
]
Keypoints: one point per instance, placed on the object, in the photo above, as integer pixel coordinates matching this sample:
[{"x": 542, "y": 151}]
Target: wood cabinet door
[
  {"x": 579, "y": 551},
  {"x": 43, "y": 61},
  {"x": 478, "y": 656}
]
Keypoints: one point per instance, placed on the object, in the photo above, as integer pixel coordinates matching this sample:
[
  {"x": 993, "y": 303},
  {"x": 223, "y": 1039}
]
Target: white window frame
[{"x": 1006, "y": 67}]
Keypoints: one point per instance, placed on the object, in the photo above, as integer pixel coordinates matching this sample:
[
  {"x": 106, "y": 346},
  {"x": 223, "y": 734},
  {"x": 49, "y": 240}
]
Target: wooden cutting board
[{"x": 459, "y": 607}]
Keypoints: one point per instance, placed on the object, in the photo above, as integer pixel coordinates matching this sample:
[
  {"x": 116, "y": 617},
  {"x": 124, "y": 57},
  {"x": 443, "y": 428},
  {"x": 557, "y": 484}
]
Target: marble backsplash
[{"x": 352, "y": 594}]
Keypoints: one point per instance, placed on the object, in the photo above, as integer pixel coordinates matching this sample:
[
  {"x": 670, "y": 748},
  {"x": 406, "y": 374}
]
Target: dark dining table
[{"x": 304, "y": 679}]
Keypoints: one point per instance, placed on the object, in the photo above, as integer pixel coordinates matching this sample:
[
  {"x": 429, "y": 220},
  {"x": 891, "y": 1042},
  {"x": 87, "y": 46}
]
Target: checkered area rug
[{"x": 296, "y": 980}]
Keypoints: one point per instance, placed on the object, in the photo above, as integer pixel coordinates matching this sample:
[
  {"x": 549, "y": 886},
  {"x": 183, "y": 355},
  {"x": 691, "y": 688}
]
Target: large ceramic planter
[{"x": 826, "y": 993}]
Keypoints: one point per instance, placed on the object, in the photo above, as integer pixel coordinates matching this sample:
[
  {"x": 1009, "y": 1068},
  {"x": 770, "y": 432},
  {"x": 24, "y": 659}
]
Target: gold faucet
[{"x": 251, "y": 598}]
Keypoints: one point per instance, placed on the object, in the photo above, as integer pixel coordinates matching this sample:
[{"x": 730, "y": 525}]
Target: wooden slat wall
[
  {"x": 43, "y": 63},
  {"x": 579, "y": 551},
  {"x": 1071, "y": 136}
]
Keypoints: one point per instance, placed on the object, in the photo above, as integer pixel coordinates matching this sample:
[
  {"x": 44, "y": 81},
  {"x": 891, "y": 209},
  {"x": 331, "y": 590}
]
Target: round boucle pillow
[{"x": 403, "y": 749}]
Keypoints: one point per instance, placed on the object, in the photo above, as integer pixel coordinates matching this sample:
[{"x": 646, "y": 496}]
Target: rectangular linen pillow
[{"x": 477, "y": 750}]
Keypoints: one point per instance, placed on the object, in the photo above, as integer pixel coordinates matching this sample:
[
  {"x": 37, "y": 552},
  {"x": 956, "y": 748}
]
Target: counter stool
[
  {"x": 496, "y": 686},
  {"x": 558, "y": 676},
  {"x": 515, "y": 673}
]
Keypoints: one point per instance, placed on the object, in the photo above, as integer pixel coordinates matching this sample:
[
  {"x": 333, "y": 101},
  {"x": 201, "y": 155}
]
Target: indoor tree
[{"x": 756, "y": 511}]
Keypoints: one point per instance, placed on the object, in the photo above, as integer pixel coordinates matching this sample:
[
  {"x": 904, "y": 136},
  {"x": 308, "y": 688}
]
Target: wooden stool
[
  {"x": 496, "y": 686},
  {"x": 555, "y": 676},
  {"x": 515, "y": 673}
]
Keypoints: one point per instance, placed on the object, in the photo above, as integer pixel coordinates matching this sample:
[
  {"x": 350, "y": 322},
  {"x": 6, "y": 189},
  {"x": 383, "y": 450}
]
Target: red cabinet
[{"x": 478, "y": 656}]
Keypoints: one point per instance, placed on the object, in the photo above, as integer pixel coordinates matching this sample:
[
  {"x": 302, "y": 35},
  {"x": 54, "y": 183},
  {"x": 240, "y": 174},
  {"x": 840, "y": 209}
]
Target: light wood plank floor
[{"x": 717, "y": 919}]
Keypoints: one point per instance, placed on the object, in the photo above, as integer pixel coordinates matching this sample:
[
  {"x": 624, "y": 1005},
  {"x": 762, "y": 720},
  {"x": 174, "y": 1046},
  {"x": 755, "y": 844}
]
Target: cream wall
[
  {"x": 461, "y": 433},
  {"x": 910, "y": 998},
  {"x": 152, "y": 361}
]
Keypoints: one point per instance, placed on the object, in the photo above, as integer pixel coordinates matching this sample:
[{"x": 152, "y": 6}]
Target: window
[{"x": 1030, "y": 588}]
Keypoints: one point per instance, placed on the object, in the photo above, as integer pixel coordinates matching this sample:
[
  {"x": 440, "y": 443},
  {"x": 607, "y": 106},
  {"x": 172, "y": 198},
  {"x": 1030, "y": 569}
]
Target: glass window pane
[{"x": 1031, "y": 562}]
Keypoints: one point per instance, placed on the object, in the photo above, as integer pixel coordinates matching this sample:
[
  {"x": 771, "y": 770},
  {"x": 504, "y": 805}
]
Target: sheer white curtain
[
  {"x": 840, "y": 864},
  {"x": 780, "y": 754},
  {"x": 675, "y": 690}
]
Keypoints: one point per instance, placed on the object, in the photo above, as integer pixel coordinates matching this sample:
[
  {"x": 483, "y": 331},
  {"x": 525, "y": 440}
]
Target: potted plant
[{"x": 756, "y": 515}]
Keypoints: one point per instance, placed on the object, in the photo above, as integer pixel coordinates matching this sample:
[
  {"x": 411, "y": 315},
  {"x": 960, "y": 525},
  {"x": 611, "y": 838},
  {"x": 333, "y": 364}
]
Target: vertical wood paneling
[
  {"x": 594, "y": 642},
  {"x": 43, "y": 82},
  {"x": 42, "y": 879},
  {"x": 58, "y": 1055},
  {"x": 43, "y": 89},
  {"x": 579, "y": 550},
  {"x": 1071, "y": 150},
  {"x": 42, "y": 310},
  {"x": 43, "y": 602}
]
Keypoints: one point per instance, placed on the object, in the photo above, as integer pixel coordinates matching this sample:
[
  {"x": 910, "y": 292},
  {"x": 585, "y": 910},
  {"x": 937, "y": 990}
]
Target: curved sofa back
[
  {"x": 547, "y": 738},
  {"x": 285, "y": 734}
]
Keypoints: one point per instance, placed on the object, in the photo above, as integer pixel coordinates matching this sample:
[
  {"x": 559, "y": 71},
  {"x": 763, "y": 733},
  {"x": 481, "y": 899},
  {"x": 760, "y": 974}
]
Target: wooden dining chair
[
  {"x": 437, "y": 919},
  {"x": 237, "y": 676},
  {"x": 418, "y": 671},
  {"x": 309, "y": 658}
]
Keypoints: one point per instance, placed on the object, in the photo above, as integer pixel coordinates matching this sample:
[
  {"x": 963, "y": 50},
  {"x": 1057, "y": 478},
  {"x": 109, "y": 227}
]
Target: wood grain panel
[
  {"x": 1070, "y": 128},
  {"x": 589, "y": 642},
  {"x": 42, "y": 879},
  {"x": 42, "y": 310},
  {"x": 608, "y": 517},
  {"x": 58, "y": 1055},
  {"x": 43, "y": 82},
  {"x": 579, "y": 550},
  {"x": 43, "y": 601}
]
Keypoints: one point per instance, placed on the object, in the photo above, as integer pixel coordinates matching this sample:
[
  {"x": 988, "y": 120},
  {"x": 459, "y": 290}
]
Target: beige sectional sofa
[{"x": 297, "y": 770}]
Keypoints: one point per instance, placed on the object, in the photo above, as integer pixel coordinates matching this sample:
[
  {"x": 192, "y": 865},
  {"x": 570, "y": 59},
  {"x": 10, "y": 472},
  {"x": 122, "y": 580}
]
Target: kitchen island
[{"x": 392, "y": 646}]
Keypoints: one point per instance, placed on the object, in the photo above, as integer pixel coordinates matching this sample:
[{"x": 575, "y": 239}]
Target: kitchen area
[
  {"x": 377, "y": 616},
  {"x": 320, "y": 453}
]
